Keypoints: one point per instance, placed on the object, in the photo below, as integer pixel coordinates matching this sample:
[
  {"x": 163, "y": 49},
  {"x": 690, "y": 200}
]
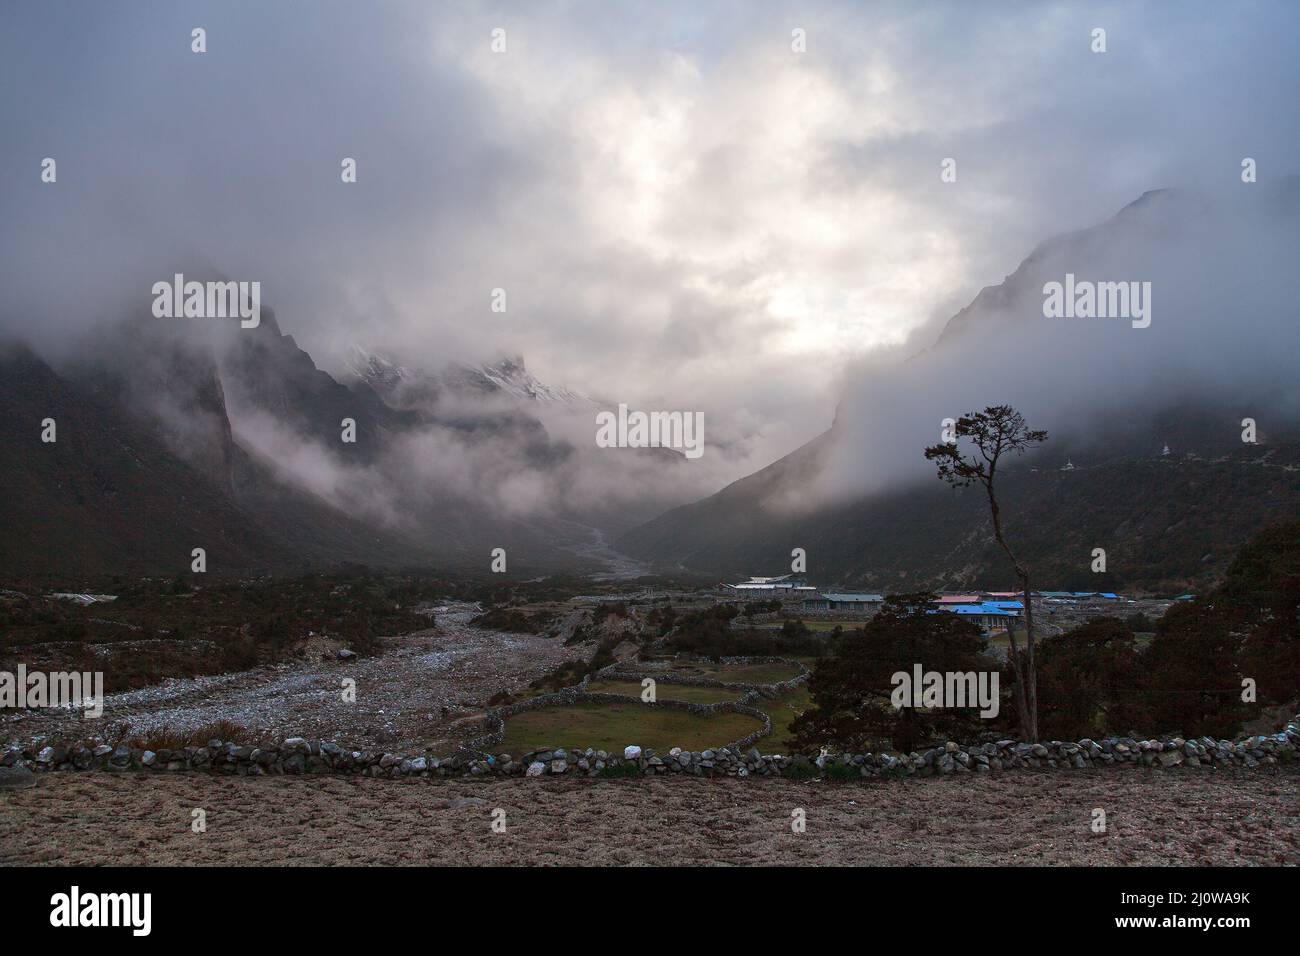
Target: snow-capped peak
[
  {"x": 511, "y": 376},
  {"x": 374, "y": 368},
  {"x": 508, "y": 375}
]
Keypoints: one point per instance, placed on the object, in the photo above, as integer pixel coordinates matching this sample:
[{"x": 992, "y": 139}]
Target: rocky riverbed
[{"x": 422, "y": 683}]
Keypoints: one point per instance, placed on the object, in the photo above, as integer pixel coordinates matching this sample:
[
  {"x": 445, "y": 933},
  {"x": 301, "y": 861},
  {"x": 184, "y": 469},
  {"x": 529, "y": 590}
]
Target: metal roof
[{"x": 972, "y": 609}]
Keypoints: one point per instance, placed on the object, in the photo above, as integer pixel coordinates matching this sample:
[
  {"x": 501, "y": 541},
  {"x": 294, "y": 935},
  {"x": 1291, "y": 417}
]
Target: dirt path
[
  {"x": 1023, "y": 818},
  {"x": 399, "y": 703}
]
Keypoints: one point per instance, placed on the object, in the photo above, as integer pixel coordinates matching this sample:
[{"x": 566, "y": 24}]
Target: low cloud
[{"x": 685, "y": 213}]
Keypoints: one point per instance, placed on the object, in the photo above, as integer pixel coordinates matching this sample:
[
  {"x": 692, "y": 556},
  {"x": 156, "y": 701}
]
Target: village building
[
  {"x": 779, "y": 586},
  {"x": 841, "y": 602},
  {"x": 988, "y": 615}
]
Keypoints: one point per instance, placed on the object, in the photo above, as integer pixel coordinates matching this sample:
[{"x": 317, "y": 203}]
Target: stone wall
[
  {"x": 298, "y": 756},
  {"x": 739, "y": 758}
]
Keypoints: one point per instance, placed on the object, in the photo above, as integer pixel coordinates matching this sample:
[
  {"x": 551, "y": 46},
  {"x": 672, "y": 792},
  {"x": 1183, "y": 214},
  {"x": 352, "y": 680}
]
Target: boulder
[{"x": 16, "y": 778}]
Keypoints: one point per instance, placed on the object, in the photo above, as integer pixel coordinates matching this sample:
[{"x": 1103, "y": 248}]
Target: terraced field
[
  {"x": 761, "y": 673},
  {"x": 614, "y": 726},
  {"x": 664, "y": 691}
]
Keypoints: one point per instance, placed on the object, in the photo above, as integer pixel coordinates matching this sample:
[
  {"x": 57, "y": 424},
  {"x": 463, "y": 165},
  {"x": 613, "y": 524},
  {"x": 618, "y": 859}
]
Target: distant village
[{"x": 990, "y": 610}]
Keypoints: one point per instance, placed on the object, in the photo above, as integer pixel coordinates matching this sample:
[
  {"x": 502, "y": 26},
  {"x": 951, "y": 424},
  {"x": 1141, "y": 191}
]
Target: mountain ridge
[{"x": 890, "y": 537}]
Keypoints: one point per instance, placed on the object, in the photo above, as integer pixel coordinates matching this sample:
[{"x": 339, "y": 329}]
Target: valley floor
[
  {"x": 408, "y": 698},
  {"x": 1018, "y": 818}
]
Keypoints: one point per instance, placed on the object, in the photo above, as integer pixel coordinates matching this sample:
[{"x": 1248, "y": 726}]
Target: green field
[
  {"x": 783, "y": 710},
  {"x": 612, "y": 727},
  {"x": 828, "y": 625},
  {"x": 748, "y": 674},
  {"x": 686, "y": 692}
]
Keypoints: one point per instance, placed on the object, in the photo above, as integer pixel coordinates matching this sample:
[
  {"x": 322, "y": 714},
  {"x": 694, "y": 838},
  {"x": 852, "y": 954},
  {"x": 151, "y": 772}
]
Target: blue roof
[
  {"x": 1005, "y": 604},
  {"x": 984, "y": 608}
]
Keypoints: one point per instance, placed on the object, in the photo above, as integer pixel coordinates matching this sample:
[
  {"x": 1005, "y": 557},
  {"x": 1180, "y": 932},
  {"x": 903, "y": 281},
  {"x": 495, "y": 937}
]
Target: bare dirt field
[{"x": 1021, "y": 818}]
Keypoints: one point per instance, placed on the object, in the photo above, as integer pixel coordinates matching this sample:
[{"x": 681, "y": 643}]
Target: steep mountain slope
[
  {"x": 870, "y": 513},
  {"x": 107, "y": 496},
  {"x": 176, "y": 435},
  {"x": 1166, "y": 525},
  {"x": 145, "y": 469},
  {"x": 265, "y": 371}
]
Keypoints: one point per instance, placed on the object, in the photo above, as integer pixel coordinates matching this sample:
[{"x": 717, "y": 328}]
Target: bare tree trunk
[
  {"x": 1026, "y": 677},
  {"x": 1032, "y": 676},
  {"x": 1022, "y": 702}
]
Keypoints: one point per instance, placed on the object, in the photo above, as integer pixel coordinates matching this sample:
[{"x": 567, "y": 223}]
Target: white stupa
[
  {"x": 1068, "y": 466},
  {"x": 1165, "y": 453}
]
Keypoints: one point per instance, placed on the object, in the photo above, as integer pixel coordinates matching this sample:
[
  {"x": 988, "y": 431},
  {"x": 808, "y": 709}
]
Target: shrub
[
  {"x": 851, "y": 692},
  {"x": 1090, "y": 682},
  {"x": 801, "y": 770},
  {"x": 616, "y": 770},
  {"x": 841, "y": 772},
  {"x": 168, "y": 738}
]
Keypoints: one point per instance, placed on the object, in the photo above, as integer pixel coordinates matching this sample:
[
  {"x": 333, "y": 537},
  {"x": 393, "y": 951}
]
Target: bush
[
  {"x": 1090, "y": 682},
  {"x": 708, "y": 633},
  {"x": 852, "y": 692},
  {"x": 841, "y": 772},
  {"x": 613, "y": 609},
  {"x": 616, "y": 770},
  {"x": 1248, "y": 626},
  {"x": 801, "y": 770},
  {"x": 512, "y": 620},
  {"x": 168, "y": 738}
]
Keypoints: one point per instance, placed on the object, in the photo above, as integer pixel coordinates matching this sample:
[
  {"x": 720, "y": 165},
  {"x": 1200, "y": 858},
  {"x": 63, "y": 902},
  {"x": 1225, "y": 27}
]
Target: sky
[{"x": 685, "y": 213}]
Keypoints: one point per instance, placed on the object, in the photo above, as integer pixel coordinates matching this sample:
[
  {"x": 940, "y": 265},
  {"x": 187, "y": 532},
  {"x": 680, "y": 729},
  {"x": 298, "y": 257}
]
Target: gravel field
[
  {"x": 400, "y": 695},
  {"x": 1235, "y": 818}
]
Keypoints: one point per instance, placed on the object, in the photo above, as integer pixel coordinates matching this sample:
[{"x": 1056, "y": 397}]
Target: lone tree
[{"x": 994, "y": 432}]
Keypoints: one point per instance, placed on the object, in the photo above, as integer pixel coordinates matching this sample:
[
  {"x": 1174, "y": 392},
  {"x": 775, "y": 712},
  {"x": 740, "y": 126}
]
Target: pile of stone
[{"x": 298, "y": 755}]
